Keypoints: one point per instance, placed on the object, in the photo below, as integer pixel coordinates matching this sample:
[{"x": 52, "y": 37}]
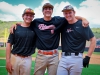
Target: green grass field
[
  {"x": 92, "y": 70},
  {"x": 3, "y": 69},
  {"x": 3, "y": 52}
]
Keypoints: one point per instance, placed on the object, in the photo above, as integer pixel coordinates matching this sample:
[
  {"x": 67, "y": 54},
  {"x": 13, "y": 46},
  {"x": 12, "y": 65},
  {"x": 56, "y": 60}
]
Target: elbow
[{"x": 93, "y": 41}]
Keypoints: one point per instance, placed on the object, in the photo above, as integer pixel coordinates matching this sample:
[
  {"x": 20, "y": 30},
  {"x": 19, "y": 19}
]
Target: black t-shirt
[
  {"x": 74, "y": 37},
  {"x": 23, "y": 41},
  {"x": 46, "y": 40}
]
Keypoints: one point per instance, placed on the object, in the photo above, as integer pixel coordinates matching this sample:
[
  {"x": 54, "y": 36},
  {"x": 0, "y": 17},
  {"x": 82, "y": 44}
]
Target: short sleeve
[
  {"x": 59, "y": 23},
  {"x": 11, "y": 38},
  {"x": 87, "y": 33}
]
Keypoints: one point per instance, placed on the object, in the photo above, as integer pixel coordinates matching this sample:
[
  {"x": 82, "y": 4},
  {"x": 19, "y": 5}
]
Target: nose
[
  {"x": 29, "y": 16},
  {"x": 48, "y": 9},
  {"x": 67, "y": 14}
]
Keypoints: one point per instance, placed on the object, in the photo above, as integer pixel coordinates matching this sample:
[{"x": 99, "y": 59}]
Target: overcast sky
[{"x": 11, "y": 10}]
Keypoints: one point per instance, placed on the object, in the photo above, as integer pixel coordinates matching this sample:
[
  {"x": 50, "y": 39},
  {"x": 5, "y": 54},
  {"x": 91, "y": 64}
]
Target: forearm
[
  {"x": 80, "y": 18},
  {"x": 92, "y": 46},
  {"x": 8, "y": 52}
]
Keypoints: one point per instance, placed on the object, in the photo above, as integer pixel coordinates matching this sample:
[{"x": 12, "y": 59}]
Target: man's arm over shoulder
[
  {"x": 85, "y": 22},
  {"x": 59, "y": 22},
  {"x": 59, "y": 18}
]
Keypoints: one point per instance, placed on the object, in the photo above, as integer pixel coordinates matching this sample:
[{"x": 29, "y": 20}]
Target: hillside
[{"x": 4, "y": 24}]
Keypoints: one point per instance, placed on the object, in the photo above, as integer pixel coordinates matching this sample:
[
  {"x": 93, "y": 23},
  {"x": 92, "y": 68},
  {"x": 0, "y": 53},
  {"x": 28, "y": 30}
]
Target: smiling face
[
  {"x": 47, "y": 12},
  {"x": 69, "y": 15},
  {"x": 28, "y": 18}
]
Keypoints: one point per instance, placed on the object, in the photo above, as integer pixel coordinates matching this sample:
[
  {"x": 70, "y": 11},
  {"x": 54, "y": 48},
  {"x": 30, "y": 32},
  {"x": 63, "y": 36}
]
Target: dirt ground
[{"x": 95, "y": 59}]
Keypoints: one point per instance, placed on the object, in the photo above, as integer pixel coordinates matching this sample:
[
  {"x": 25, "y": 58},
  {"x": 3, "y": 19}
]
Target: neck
[
  {"x": 47, "y": 18},
  {"x": 72, "y": 21},
  {"x": 24, "y": 24}
]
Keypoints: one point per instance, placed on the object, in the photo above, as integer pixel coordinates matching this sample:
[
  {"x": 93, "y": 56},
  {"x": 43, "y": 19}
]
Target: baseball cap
[
  {"x": 68, "y": 7},
  {"x": 28, "y": 11},
  {"x": 47, "y": 5}
]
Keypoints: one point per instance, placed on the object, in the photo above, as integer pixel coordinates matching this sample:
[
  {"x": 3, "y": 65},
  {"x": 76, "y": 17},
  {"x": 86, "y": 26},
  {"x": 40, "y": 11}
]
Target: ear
[
  {"x": 74, "y": 12},
  {"x": 43, "y": 12},
  {"x": 23, "y": 17}
]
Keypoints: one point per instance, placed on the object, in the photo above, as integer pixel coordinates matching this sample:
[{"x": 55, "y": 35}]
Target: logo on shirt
[
  {"x": 77, "y": 27},
  {"x": 44, "y": 27},
  {"x": 69, "y": 30}
]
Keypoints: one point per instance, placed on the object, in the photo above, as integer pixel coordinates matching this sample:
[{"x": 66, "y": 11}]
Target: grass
[
  {"x": 92, "y": 70},
  {"x": 3, "y": 54},
  {"x": 97, "y": 53},
  {"x": 3, "y": 69}
]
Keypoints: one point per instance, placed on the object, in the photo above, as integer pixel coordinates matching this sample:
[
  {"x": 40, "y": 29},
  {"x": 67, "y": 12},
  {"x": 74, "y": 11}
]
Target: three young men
[{"x": 47, "y": 30}]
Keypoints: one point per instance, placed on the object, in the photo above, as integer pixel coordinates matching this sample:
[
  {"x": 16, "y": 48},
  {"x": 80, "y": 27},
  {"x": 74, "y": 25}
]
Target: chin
[
  {"x": 69, "y": 19},
  {"x": 48, "y": 15},
  {"x": 28, "y": 21}
]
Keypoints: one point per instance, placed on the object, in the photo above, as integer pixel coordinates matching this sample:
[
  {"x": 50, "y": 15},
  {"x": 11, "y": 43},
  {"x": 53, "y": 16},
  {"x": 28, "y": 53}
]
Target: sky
[{"x": 11, "y": 10}]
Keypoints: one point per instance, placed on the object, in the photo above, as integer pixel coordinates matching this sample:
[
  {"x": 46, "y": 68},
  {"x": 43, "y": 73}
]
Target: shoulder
[
  {"x": 78, "y": 26},
  {"x": 59, "y": 19},
  {"x": 18, "y": 26},
  {"x": 79, "y": 23},
  {"x": 38, "y": 19}
]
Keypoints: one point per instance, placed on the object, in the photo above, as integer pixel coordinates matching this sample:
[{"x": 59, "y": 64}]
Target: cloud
[
  {"x": 38, "y": 10},
  {"x": 90, "y": 9},
  {"x": 58, "y": 8},
  {"x": 11, "y": 12},
  {"x": 56, "y": 11},
  {"x": 6, "y": 17}
]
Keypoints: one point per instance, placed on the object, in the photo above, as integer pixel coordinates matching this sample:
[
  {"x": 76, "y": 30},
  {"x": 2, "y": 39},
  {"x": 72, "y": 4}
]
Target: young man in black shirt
[
  {"x": 47, "y": 41},
  {"x": 18, "y": 58},
  {"x": 73, "y": 40}
]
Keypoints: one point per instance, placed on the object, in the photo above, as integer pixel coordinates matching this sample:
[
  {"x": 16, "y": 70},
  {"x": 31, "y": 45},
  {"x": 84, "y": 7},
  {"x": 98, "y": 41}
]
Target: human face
[
  {"x": 69, "y": 15},
  {"x": 47, "y": 12},
  {"x": 28, "y": 18}
]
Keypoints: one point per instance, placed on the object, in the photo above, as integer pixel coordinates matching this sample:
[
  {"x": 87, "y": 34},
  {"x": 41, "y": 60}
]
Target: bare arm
[
  {"x": 90, "y": 51},
  {"x": 92, "y": 46},
  {"x": 85, "y": 22},
  {"x": 8, "y": 54}
]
